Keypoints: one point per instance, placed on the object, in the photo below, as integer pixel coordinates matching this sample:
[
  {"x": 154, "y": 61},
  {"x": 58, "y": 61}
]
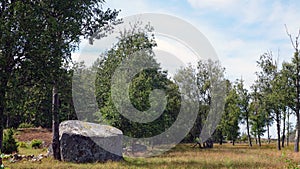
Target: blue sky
[{"x": 239, "y": 30}]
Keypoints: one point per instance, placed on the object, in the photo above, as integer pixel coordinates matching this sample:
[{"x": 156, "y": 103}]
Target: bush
[
  {"x": 36, "y": 143},
  {"x": 26, "y": 125},
  {"x": 244, "y": 138},
  {"x": 9, "y": 143},
  {"x": 22, "y": 144},
  {"x": 1, "y": 159}
]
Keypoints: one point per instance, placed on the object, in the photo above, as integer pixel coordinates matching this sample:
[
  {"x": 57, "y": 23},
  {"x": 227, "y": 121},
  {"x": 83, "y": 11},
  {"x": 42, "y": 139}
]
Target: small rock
[
  {"x": 139, "y": 148},
  {"x": 38, "y": 158},
  {"x": 29, "y": 157},
  {"x": 49, "y": 151},
  {"x": 17, "y": 157}
]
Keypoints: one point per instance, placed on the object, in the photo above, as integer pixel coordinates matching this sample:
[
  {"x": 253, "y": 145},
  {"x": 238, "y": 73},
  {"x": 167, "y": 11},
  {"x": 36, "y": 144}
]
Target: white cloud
[
  {"x": 129, "y": 7},
  {"x": 177, "y": 50},
  {"x": 239, "y": 30},
  {"x": 216, "y": 4},
  {"x": 247, "y": 11},
  {"x": 246, "y": 30}
]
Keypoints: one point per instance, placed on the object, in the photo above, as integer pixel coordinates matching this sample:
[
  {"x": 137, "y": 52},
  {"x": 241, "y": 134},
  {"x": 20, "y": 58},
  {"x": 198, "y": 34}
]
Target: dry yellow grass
[{"x": 184, "y": 156}]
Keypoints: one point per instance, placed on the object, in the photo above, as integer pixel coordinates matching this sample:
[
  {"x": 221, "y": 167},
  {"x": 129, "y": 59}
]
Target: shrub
[
  {"x": 1, "y": 157},
  {"x": 244, "y": 137},
  {"x": 22, "y": 144},
  {"x": 9, "y": 143},
  {"x": 36, "y": 143},
  {"x": 26, "y": 125}
]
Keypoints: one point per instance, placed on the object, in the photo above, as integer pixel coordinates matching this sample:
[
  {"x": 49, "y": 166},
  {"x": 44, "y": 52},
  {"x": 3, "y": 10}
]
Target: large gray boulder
[{"x": 83, "y": 142}]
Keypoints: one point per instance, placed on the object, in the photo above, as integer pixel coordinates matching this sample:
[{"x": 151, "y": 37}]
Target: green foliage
[
  {"x": 36, "y": 143},
  {"x": 26, "y": 125},
  {"x": 244, "y": 105},
  {"x": 131, "y": 41},
  {"x": 202, "y": 79},
  {"x": 231, "y": 117},
  {"x": 290, "y": 163},
  {"x": 22, "y": 144},
  {"x": 1, "y": 160},
  {"x": 36, "y": 42},
  {"x": 9, "y": 143},
  {"x": 258, "y": 115},
  {"x": 244, "y": 137},
  {"x": 271, "y": 89},
  {"x": 34, "y": 101}
]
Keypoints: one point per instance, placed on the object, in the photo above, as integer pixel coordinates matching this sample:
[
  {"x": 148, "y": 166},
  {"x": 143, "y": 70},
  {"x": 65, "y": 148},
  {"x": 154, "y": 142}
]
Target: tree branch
[{"x": 296, "y": 44}]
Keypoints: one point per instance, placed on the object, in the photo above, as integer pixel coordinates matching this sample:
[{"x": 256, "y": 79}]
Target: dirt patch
[{"x": 28, "y": 134}]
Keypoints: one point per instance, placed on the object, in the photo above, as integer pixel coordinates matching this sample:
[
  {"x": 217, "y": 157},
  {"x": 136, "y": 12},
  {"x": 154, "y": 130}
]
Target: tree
[
  {"x": 30, "y": 101},
  {"x": 210, "y": 90},
  {"x": 258, "y": 114},
  {"x": 263, "y": 83},
  {"x": 83, "y": 88},
  {"x": 229, "y": 125},
  {"x": 132, "y": 52},
  {"x": 186, "y": 78},
  {"x": 271, "y": 82},
  {"x": 66, "y": 22},
  {"x": 288, "y": 93},
  {"x": 43, "y": 34},
  {"x": 231, "y": 117},
  {"x": 18, "y": 37},
  {"x": 296, "y": 80},
  {"x": 290, "y": 90},
  {"x": 212, "y": 94},
  {"x": 9, "y": 143},
  {"x": 263, "y": 87},
  {"x": 278, "y": 101},
  {"x": 244, "y": 106}
]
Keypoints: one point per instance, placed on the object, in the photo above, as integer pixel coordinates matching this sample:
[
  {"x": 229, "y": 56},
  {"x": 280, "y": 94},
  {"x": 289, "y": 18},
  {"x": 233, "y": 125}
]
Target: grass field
[{"x": 184, "y": 156}]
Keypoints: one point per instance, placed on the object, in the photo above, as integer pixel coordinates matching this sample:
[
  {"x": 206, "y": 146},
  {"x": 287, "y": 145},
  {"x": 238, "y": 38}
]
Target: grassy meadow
[{"x": 184, "y": 156}]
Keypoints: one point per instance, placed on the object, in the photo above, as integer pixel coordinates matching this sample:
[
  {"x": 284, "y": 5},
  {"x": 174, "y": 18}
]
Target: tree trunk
[
  {"x": 221, "y": 139},
  {"x": 233, "y": 142},
  {"x": 2, "y": 105},
  {"x": 288, "y": 129},
  {"x": 296, "y": 146},
  {"x": 55, "y": 125},
  {"x": 259, "y": 141},
  {"x": 3, "y": 84},
  {"x": 283, "y": 130},
  {"x": 248, "y": 132},
  {"x": 7, "y": 121},
  {"x": 269, "y": 139},
  {"x": 278, "y": 129},
  {"x": 256, "y": 142}
]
